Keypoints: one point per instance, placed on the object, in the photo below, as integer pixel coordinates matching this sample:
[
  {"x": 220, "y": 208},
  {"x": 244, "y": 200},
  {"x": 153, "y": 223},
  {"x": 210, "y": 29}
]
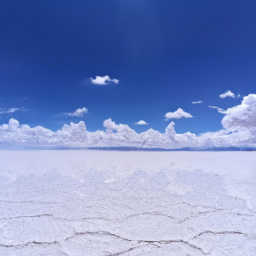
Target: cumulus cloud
[
  {"x": 227, "y": 94},
  {"x": 79, "y": 112},
  {"x": 239, "y": 130},
  {"x": 197, "y": 102},
  {"x": 141, "y": 122},
  {"x": 103, "y": 80},
  {"x": 220, "y": 110},
  {"x": 179, "y": 113},
  {"x": 243, "y": 115},
  {"x": 13, "y": 124},
  {"x": 123, "y": 129},
  {"x": 121, "y": 135}
]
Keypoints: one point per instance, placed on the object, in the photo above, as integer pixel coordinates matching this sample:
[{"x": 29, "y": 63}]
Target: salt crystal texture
[{"x": 84, "y": 202}]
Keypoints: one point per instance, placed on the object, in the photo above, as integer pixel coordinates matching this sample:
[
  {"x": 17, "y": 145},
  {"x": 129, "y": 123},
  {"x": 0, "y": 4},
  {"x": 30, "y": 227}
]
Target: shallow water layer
[{"x": 127, "y": 203}]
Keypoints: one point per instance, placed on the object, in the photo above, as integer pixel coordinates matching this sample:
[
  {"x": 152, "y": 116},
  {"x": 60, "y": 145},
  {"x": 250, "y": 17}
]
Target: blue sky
[{"x": 164, "y": 53}]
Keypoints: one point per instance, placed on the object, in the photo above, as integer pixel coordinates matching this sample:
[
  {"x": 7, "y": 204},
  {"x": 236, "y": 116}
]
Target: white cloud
[
  {"x": 197, "y": 102},
  {"x": 239, "y": 130},
  {"x": 76, "y": 135},
  {"x": 102, "y": 80},
  {"x": 115, "y": 81},
  {"x": 243, "y": 115},
  {"x": 227, "y": 94},
  {"x": 10, "y": 110},
  {"x": 220, "y": 110},
  {"x": 179, "y": 113},
  {"x": 239, "y": 96},
  {"x": 13, "y": 124},
  {"x": 79, "y": 112},
  {"x": 123, "y": 129},
  {"x": 141, "y": 122}
]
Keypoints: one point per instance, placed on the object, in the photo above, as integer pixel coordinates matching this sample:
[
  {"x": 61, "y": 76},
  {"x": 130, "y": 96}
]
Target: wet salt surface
[{"x": 127, "y": 203}]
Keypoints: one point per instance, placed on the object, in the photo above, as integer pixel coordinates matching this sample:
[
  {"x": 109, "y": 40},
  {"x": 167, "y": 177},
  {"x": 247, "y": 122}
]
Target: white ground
[{"x": 74, "y": 203}]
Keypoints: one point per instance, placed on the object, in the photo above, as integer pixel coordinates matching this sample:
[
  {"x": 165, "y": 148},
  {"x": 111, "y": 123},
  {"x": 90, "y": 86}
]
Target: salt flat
[{"x": 84, "y": 202}]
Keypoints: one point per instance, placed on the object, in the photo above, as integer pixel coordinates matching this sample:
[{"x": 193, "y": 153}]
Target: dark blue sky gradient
[{"x": 166, "y": 53}]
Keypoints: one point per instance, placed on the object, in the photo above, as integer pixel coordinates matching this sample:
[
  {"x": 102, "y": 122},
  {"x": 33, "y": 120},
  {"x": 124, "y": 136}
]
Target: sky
[{"x": 134, "y": 61}]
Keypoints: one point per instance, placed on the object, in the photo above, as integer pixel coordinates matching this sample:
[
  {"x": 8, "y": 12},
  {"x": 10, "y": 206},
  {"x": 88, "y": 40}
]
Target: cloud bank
[
  {"x": 179, "y": 113},
  {"x": 239, "y": 130},
  {"x": 103, "y": 80}
]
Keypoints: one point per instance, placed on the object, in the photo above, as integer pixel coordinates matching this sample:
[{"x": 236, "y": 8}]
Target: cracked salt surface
[{"x": 74, "y": 203}]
